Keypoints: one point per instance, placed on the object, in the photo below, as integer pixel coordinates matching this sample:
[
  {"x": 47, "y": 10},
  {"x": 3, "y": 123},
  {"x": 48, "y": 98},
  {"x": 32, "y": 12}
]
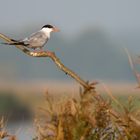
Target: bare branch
[{"x": 54, "y": 58}]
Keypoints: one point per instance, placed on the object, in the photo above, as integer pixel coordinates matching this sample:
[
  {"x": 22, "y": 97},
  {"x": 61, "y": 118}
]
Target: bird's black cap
[{"x": 47, "y": 26}]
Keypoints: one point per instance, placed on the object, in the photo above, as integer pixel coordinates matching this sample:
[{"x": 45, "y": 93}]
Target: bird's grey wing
[{"x": 37, "y": 39}]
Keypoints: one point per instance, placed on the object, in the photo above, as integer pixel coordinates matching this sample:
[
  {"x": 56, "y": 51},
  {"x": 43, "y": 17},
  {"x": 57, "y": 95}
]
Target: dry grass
[
  {"x": 3, "y": 133},
  {"x": 89, "y": 117}
]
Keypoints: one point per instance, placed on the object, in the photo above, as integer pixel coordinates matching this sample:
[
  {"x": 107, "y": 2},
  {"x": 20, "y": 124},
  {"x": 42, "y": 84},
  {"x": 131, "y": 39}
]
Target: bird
[{"x": 36, "y": 40}]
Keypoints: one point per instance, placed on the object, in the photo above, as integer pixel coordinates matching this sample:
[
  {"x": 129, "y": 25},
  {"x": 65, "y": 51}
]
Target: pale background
[{"x": 93, "y": 34}]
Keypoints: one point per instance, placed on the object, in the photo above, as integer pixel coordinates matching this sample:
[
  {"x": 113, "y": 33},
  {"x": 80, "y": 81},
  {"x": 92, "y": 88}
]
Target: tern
[{"x": 37, "y": 39}]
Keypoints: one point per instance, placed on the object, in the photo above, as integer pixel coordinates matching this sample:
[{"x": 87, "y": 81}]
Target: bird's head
[{"x": 49, "y": 28}]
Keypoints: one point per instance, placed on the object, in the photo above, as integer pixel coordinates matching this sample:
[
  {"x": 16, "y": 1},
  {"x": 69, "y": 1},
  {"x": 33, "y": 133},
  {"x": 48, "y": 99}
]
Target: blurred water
[{"x": 22, "y": 130}]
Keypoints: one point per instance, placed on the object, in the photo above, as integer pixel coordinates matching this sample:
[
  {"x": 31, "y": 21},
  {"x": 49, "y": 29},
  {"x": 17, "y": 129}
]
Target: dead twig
[{"x": 54, "y": 58}]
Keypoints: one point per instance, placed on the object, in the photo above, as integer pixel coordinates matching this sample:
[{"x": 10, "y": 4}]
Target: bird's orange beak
[{"x": 55, "y": 29}]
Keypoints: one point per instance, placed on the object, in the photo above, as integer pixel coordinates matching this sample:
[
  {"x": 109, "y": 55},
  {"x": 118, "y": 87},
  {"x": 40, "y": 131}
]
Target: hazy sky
[
  {"x": 70, "y": 15},
  {"x": 117, "y": 17}
]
